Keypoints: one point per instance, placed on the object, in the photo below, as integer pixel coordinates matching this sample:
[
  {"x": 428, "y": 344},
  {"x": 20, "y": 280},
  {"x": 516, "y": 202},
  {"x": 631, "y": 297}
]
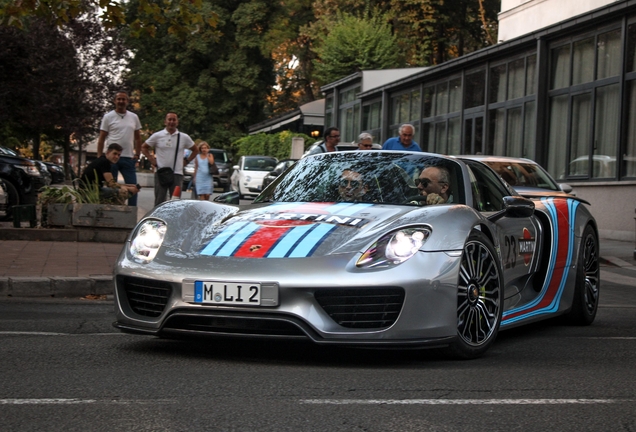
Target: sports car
[{"x": 343, "y": 249}]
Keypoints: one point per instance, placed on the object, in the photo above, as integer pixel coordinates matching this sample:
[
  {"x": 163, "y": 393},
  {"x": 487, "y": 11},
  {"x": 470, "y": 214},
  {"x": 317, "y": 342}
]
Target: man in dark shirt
[{"x": 99, "y": 171}]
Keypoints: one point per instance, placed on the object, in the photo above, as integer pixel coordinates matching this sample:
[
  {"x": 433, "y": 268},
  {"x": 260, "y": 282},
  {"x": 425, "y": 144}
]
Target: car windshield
[
  {"x": 8, "y": 152},
  {"x": 372, "y": 177},
  {"x": 259, "y": 163},
  {"x": 523, "y": 174},
  {"x": 219, "y": 156}
]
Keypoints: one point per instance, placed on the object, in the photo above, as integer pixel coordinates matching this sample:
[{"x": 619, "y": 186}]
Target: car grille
[
  {"x": 146, "y": 297},
  {"x": 362, "y": 307},
  {"x": 237, "y": 325}
]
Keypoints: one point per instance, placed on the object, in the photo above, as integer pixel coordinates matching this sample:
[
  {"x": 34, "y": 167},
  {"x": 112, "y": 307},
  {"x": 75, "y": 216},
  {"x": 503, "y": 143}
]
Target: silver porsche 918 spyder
[{"x": 347, "y": 248}]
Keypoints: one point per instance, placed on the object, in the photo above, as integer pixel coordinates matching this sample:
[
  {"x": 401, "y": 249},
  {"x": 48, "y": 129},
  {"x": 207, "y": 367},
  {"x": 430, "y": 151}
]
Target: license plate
[{"x": 228, "y": 293}]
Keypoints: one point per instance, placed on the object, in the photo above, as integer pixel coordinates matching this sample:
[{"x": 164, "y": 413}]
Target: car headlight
[
  {"x": 248, "y": 179},
  {"x": 147, "y": 240},
  {"x": 29, "y": 168},
  {"x": 394, "y": 248},
  {"x": 224, "y": 170}
]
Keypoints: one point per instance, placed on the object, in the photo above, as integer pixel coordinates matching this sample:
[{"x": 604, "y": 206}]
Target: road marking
[
  {"x": 61, "y": 401},
  {"x": 617, "y": 278},
  {"x": 460, "y": 401}
]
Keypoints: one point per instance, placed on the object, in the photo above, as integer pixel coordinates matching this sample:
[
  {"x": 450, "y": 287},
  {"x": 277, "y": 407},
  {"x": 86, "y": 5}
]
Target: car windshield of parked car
[
  {"x": 259, "y": 163},
  {"x": 370, "y": 177},
  {"x": 522, "y": 174},
  {"x": 220, "y": 156}
]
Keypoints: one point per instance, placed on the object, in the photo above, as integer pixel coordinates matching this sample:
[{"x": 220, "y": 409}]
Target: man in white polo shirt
[
  {"x": 121, "y": 126},
  {"x": 168, "y": 145}
]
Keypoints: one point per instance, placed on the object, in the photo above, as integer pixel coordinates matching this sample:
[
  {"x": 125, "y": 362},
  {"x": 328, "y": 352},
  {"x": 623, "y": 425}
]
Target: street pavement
[{"x": 84, "y": 269}]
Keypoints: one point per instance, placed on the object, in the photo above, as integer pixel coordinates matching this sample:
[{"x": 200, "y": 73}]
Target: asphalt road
[{"x": 64, "y": 368}]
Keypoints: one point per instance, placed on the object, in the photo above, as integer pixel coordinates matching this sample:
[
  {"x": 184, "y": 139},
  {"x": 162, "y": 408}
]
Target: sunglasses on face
[
  {"x": 333, "y": 136},
  {"x": 352, "y": 184},
  {"x": 422, "y": 181},
  {"x": 367, "y": 145}
]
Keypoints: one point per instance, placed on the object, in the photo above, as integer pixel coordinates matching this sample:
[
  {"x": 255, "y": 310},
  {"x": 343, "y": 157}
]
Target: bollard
[{"x": 24, "y": 216}]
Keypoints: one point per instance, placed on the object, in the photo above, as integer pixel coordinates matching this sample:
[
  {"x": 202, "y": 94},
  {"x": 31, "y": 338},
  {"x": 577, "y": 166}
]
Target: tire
[
  {"x": 587, "y": 288},
  {"x": 479, "y": 299},
  {"x": 241, "y": 196},
  {"x": 13, "y": 199}
]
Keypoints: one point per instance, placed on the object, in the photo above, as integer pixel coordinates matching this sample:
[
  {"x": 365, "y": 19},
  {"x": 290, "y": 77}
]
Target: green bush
[{"x": 277, "y": 145}]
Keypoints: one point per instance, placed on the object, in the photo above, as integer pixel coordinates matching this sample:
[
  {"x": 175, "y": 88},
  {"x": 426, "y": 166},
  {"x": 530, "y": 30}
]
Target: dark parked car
[
  {"x": 56, "y": 171},
  {"x": 280, "y": 168},
  {"x": 22, "y": 179}
]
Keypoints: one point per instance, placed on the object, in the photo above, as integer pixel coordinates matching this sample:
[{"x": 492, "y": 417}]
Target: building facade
[{"x": 563, "y": 95}]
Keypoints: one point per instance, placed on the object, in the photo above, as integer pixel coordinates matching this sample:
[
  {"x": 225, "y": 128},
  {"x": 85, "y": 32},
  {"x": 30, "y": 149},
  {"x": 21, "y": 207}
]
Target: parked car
[
  {"x": 22, "y": 179},
  {"x": 4, "y": 199},
  {"x": 44, "y": 171},
  {"x": 381, "y": 271},
  {"x": 222, "y": 161},
  {"x": 56, "y": 171},
  {"x": 247, "y": 177},
  {"x": 524, "y": 175},
  {"x": 280, "y": 168}
]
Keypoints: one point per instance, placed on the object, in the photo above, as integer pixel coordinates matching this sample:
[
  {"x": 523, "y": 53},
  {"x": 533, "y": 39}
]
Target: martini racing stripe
[
  {"x": 257, "y": 238},
  {"x": 562, "y": 217}
]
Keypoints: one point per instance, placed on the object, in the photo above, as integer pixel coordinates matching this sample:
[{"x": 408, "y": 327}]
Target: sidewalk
[{"x": 78, "y": 269}]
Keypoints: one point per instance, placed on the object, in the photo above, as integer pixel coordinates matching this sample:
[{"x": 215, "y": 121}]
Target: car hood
[{"x": 300, "y": 230}]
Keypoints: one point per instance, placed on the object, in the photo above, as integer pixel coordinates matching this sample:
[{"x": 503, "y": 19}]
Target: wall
[
  {"x": 613, "y": 205},
  {"x": 519, "y": 17}
]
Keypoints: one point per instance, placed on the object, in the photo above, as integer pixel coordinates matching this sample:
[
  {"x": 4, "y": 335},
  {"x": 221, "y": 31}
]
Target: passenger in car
[
  {"x": 352, "y": 186},
  {"x": 434, "y": 184}
]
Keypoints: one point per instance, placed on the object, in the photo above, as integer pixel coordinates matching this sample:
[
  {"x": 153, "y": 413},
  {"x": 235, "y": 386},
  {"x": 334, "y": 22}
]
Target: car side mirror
[
  {"x": 515, "y": 207},
  {"x": 235, "y": 167},
  {"x": 565, "y": 187},
  {"x": 231, "y": 197}
]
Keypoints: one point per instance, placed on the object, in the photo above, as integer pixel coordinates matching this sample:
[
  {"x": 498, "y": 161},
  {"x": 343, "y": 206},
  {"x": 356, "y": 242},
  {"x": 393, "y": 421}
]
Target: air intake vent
[
  {"x": 362, "y": 307},
  {"x": 146, "y": 297}
]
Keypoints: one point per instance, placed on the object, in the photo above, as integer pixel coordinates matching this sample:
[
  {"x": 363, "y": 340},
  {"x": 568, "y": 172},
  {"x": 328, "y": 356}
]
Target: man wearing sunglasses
[
  {"x": 365, "y": 141},
  {"x": 332, "y": 139},
  {"x": 404, "y": 141},
  {"x": 434, "y": 184},
  {"x": 352, "y": 186}
]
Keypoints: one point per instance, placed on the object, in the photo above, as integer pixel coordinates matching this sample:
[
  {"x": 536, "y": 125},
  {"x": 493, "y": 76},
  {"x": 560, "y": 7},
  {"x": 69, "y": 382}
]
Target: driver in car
[
  {"x": 433, "y": 184},
  {"x": 351, "y": 186}
]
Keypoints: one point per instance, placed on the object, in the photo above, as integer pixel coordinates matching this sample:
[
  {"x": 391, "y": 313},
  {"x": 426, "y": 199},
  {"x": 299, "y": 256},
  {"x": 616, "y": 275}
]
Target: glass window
[
  {"x": 416, "y": 103},
  {"x": 514, "y": 132},
  {"x": 606, "y": 129},
  {"x": 441, "y": 99},
  {"x": 455, "y": 101},
  {"x": 580, "y": 130},
  {"x": 531, "y": 75},
  {"x": 529, "y": 130},
  {"x": 440, "y": 138},
  {"x": 371, "y": 116},
  {"x": 583, "y": 61},
  {"x": 609, "y": 54},
  {"x": 496, "y": 140},
  {"x": 497, "y": 88},
  {"x": 560, "y": 70},
  {"x": 516, "y": 78},
  {"x": 454, "y": 136},
  {"x": 475, "y": 89},
  {"x": 631, "y": 48},
  {"x": 429, "y": 94},
  {"x": 557, "y": 139},
  {"x": 630, "y": 151}
]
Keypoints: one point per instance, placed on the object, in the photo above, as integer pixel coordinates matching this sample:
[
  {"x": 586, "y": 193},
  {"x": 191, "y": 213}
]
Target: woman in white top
[{"x": 202, "y": 178}]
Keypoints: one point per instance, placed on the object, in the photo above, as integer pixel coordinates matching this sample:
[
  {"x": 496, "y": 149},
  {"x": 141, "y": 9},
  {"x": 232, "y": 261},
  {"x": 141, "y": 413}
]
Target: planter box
[
  {"x": 104, "y": 215},
  {"x": 59, "y": 215}
]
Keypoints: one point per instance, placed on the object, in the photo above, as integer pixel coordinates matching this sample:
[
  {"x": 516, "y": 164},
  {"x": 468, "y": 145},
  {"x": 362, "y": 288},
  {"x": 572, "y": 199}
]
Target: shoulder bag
[{"x": 165, "y": 175}]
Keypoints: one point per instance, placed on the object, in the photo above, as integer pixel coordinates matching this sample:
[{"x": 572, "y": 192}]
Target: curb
[{"x": 56, "y": 286}]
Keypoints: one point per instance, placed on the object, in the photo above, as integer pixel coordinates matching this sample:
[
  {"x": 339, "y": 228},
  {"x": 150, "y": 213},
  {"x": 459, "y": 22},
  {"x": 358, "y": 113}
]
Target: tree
[
  {"x": 354, "y": 44},
  {"x": 181, "y": 16},
  {"x": 216, "y": 80}
]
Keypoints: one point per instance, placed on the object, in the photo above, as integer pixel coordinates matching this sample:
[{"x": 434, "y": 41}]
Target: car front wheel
[{"x": 479, "y": 298}]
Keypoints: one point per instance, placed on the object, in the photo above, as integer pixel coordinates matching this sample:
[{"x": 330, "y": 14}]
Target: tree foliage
[
  {"x": 216, "y": 81},
  {"x": 182, "y": 17},
  {"x": 277, "y": 145},
  {"x": 355, "y": 44}
]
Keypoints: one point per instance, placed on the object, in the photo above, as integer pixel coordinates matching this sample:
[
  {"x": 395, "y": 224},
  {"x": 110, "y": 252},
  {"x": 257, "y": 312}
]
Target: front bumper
[{"x": 427, "y": 315}]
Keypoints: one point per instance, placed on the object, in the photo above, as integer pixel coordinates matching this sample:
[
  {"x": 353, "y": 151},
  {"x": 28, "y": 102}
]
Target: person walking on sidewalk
[
  {"x": 404, "y": 141},
  {"x": 121, "y": 126},
  {"x": 168, "y": 146},
  {"x": 202, "y": 178}
]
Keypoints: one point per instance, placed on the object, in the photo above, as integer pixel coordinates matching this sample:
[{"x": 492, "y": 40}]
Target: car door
[{"x": 518, "y": 236}]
